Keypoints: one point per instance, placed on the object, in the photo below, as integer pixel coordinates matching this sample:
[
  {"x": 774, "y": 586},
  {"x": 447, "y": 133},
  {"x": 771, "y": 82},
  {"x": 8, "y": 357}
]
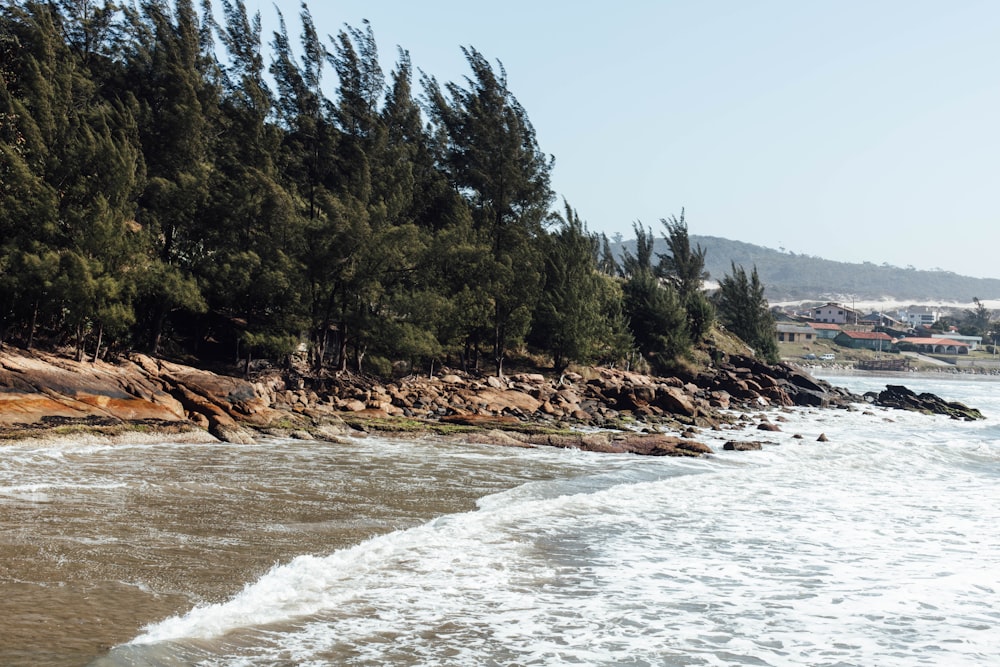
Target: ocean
[{"x": 880, "y": 546}]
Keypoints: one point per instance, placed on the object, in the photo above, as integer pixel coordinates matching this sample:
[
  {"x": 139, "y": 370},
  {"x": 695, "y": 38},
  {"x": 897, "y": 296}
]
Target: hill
[{"x": 793, "y": 277}]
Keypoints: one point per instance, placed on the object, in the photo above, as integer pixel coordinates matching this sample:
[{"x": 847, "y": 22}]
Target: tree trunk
[
  {"x": 79, "y": 342},
  {"x": 158, "y": 319},
  {"x": 342, "y": 347},
  {"x": 359, "y": 355},
  {"x": 100, "y": 337},
  {"x": 34, "y": 322}
]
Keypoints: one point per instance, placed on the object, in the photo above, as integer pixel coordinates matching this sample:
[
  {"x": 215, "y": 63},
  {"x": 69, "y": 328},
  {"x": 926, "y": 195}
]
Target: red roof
[
  {"x": 933, "y": 341},
  {"x": 868, "y": 335},
  {"x": 823, "y": 325}
]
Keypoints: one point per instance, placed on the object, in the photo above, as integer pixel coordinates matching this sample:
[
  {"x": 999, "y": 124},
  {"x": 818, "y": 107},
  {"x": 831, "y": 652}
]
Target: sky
[{"x": 853, "y": 130}]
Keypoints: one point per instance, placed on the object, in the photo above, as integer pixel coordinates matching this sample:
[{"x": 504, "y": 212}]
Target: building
[
  {"x": 828, "y": 331},
  {"x": 795, "y": 333},
  {"x": 933, "y": 345},
  {"x": 835, "y": 313},
  {"x": 868, "y": 340},
  {"x": 972, "y": 341},
  {"x": 879, "y": 319},
  {"x": 920, "y": 316}
]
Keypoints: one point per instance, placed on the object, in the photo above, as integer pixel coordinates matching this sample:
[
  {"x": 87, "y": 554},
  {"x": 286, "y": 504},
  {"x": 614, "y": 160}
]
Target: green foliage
[
  {"x": 977, "y": 321},
  {"x": 155, "y": 192},
  {"x": 657, "y": 319},
  {"x": 570, "y": 317},
  {"x": 744, "y": 311},
  {"x": 487, "y": 147},
  {"x": 684, "y": 268}
]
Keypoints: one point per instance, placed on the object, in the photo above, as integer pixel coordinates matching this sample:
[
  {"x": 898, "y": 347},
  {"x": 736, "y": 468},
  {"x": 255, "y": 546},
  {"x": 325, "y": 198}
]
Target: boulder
[
  {"x": 676, "y": 401},
  {"x": 743, "y": 446},
  {"x": 902, "y": 398}
]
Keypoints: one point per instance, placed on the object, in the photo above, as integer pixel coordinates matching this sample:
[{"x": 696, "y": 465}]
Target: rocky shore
[{"x": 612, "y": 410}]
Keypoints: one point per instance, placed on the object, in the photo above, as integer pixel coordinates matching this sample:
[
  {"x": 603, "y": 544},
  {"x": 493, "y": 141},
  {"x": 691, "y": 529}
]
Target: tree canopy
[{"x": 177, "y": 181}]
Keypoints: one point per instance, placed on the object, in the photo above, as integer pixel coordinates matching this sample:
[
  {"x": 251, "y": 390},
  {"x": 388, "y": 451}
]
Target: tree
[
  {"x": 489, "y": 151},
  {"x": 253, "y": 231},
  {"x": 684, "y": 266},
  {"x": 642, "y": 260},
  {"x": 569, "y": 321},
  {"x": 71, "y": 148},
  {"x": 744, "y": 311},
  {"x": 977, "y": 321},
  {"x": 167, "y": 72},
  {"x": 655, "y": 311},
  {"x": 606, "y": 263},
  {"x": 656, "y": 318}
]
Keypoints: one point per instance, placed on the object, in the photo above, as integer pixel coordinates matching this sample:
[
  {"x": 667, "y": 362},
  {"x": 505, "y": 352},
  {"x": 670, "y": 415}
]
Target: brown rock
[
  {"x": 742, "y": 446},
  {"x": 676, "y": 401},
  {"x": 353, "y": 405}
]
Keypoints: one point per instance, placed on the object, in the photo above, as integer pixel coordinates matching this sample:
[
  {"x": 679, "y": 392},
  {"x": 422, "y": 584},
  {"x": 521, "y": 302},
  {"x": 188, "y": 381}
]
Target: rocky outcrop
[
  {"x": 901, "y": 398},
  {"x": 38, "y": 390}
]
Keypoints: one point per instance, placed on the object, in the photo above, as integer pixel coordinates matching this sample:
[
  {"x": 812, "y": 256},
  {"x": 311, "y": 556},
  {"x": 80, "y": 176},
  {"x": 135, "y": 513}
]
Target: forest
[{"x": 177, "y": 182}]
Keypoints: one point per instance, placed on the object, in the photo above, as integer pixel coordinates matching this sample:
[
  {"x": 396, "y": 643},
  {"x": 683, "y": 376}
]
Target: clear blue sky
[{"x": 851, "y": 130}]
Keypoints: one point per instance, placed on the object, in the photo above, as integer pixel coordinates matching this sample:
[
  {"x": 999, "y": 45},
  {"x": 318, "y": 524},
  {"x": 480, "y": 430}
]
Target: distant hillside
[{"x": 792, "y": 277}]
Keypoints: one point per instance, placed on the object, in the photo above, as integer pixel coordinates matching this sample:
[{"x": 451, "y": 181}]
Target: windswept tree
[
  {"x": 252, "y": 229},
  {"x": 684, "y": 268},
  {"x": 70, "y": 170},
  {"x": 655, "y": 312},
  {"x": 606, "y": 262},
  {"x": 489, "y": 151},
  {"x": 642, "y": 260},
  {"x": 570, "y": 320},
  {"x": 977, "y": 321},
  {"x": 167, "y": 71},
  {"x": 744, "y": 311}
]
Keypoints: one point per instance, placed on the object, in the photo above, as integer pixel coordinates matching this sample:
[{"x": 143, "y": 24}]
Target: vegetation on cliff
[{"x": 164, "y": 189}]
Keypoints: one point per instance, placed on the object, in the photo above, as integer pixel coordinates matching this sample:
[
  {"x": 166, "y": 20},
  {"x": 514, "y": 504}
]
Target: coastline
[{"x": 45, "y": 395}]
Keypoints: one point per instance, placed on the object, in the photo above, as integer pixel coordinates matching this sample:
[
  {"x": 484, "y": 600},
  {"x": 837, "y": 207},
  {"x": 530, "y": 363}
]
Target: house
[
  {"x": 825, "y": 330},
  {"x": 972, "y": 341},
  {"x": 795, "y": 333},
  {"x": 869, "y": 340},
  {"x": 920, "y": 316},
  {"x": 835, "y": 313},
  {"x": 933, "y": 345},
  {"x": 879, "y": 319}
]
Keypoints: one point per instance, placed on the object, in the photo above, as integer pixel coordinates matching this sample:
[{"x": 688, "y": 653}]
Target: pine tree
[
  {"x": 75, "y": 156},
  {"x": 744, "y": 311},
  {"x": 656, "y": 315},
  {"x": 167, "y": 71},
  {"x": 252, "y": 271},
  {"x": 684, "y": 268},
  {"x": 489, "y": 150},
  {"x": 570, "y": 319}
]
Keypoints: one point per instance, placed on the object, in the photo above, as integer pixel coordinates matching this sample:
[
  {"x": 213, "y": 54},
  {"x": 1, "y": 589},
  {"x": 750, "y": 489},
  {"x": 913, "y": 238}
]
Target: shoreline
[{"x": 44, "y": 396}]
